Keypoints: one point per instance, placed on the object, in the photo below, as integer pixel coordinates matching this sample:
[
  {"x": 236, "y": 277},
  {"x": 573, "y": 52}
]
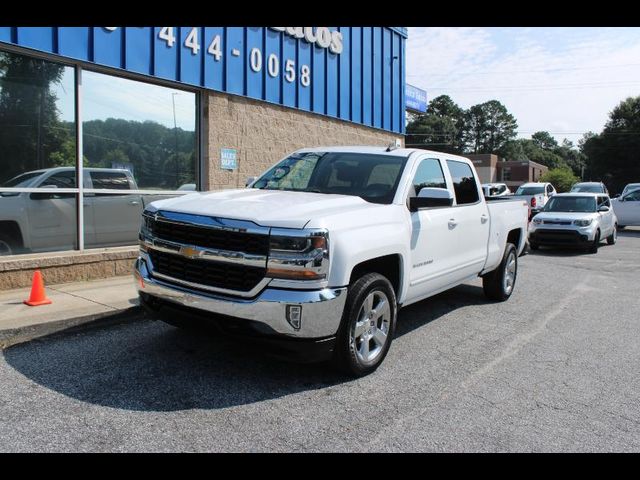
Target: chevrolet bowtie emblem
[{"x": 190, "y": 252}]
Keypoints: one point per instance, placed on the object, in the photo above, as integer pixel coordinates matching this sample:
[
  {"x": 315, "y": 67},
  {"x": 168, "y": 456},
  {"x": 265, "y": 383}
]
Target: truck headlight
[
  {"x": 583, "y": 223},
  {"x": 298, "y": 254}
]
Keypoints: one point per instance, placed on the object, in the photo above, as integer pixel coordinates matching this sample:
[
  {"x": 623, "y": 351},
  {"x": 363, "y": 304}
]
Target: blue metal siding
[
  {"x": 377, "y": 77},
  {"x": 366, "y": 76},
  {"x": 73, "y": 42},
  {"x": 363, "y": 83},
  {"x": 255, "y": 87},
  {"x": 214, "y": 69},
  {"x": 190, "y": 62},
  {"x": 272, "y": 48},
  {"x": 165, "y": 57},
  {"x": 318, "y": 82},
  {"x": 356, "y": 74}
]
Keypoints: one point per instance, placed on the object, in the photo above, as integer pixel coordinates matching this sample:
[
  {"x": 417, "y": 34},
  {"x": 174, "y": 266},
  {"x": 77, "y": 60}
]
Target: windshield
[
  {"x": 529, "y": 190},
  {"x": 570, "y": 204},
  {"x": 369, "y": 176},
  {"x": 587, "y": 188},
  {"x": 21, "y": 181}
]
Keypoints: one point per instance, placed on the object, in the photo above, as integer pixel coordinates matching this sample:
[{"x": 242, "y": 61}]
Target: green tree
[
  {"x": 30, "y": 129},
  {"x": 488, "y": 127},
  {"x": 561, "y": 178},
  {"x": 544, "y": 140},
  {"x": 440, "y": 129},
  {"x": 612, "y": 155}
]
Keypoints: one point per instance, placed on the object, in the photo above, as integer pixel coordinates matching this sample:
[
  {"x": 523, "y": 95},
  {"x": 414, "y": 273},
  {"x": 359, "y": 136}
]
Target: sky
[
  {"x": 106, "y": 96},
  {"x": 562, "y": 80}
]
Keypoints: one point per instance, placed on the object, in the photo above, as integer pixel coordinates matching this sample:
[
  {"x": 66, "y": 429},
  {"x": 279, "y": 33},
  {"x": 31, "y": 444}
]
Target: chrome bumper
[{"x": 321, "y": 309}]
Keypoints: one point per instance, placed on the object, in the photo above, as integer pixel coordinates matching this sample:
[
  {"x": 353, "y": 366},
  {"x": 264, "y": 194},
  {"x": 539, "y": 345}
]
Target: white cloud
[{"x": 554, "y": 79}]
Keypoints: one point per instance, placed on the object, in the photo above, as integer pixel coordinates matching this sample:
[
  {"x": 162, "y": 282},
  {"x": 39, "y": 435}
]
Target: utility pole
[{"x": 175, "y": 131}]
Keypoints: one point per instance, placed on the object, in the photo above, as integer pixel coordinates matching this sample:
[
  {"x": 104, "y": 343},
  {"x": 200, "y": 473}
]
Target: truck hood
[{"x": 270, "y": 208}]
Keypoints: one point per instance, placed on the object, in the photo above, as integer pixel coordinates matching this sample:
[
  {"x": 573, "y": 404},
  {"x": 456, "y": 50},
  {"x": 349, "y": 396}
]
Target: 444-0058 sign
[{"x": 321, "y": 36}]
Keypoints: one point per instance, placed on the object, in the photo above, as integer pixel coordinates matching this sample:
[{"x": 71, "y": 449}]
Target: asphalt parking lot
[{"x": 553, "y": 369}]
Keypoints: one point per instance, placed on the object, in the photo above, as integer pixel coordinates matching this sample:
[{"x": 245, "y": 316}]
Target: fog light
[{"x": 294, "y": 316}]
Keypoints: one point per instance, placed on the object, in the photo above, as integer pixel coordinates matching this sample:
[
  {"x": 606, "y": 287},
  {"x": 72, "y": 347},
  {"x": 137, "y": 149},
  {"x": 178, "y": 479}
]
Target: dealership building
[{"x": 155, "y": 112}]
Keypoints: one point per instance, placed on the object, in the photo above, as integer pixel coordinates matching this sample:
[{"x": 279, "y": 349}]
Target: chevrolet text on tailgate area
[{"x": 318, "y": 254}]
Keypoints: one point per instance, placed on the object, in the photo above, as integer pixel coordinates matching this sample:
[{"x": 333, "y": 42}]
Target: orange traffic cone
[{"x": 37, "y": 297}]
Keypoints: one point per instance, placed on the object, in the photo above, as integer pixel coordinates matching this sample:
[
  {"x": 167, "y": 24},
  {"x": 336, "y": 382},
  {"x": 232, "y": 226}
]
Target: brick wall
[{"x": 263, "y": 133}]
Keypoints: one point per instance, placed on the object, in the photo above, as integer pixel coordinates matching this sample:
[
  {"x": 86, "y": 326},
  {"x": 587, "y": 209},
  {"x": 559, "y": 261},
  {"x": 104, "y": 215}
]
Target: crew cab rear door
[{"x": 469, "y": 220}]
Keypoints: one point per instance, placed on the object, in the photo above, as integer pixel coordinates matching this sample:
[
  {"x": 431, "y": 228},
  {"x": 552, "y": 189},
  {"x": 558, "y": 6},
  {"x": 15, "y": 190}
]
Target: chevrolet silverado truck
[{"x": 318, "y": 254}]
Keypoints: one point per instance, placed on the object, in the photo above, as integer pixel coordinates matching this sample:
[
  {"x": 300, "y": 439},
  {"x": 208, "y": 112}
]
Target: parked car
[
  {"x": 629, "y": 187},
  {"x": 318, "y": 255},
  {"x": 574, "y": 219},
  {"x": 589, "y": 187},
  {"x": 627, "y": 208},
  {"x": 536, "y": 194},
  {"x": 39, "y": 221},
  {"x": 495, "y": 189}
]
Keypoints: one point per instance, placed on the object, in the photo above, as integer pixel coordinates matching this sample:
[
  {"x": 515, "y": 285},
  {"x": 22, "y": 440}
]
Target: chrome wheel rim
[
  {"x": 510, "y": 273},
  {"x": 370, "y": 332}
]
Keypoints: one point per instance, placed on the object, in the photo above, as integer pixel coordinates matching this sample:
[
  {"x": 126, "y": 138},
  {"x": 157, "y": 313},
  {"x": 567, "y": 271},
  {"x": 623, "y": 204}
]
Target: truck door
[
  {"x": 469, "y": 221},
  {"x": 431, "y": 239},
  {"x": 52, "y": 216},
  {"x": 116, "y": 215}
]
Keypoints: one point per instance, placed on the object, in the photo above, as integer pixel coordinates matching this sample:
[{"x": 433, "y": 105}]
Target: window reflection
[{"x": 146, "y": 129}]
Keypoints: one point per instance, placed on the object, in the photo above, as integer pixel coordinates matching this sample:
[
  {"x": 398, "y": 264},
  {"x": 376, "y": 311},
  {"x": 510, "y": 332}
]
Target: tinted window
[
  {"x": 464, "y": 183},
  {"x": 429, "y": 174},
  {"x": 570, "y": 204},
  {"x": 529, "y": 190},
  {"x": 105, "y": 179},
  {"x": 633, "y": 196},
  {"x": 64, "y": 179}
]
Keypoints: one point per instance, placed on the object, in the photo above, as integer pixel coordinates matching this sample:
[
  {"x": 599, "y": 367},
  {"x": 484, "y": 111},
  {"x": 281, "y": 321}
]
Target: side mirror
[
  {"x": 249, "y": 181},
  {"x": 431, "y": 197},
  {"x": 603, "y": 209}
]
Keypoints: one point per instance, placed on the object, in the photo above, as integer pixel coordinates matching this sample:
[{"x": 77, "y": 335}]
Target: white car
[
  {"x": 495, "y": 189},
  {"x": 627, "y": 208},
  {"x": 322, "y": 250},
  {"x": 574, "y": 219},
  {"x": 630, "y": 187},
  {"x": 537, "y": 194}
]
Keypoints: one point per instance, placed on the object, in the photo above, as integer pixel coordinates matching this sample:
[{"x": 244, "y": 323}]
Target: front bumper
[
  {"x": 266, "y": 313},
  {"x": 560, "y": 237}
]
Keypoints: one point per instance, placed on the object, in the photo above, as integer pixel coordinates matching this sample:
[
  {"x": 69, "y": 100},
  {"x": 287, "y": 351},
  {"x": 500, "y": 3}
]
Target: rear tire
[
  {"x": 596, "y": 243},
  {"x": 611, "y": 239},
  {"x": 500, "y": 283},
  {"x": 8, "y": 244},
  {"x": 367, "y": 327}
]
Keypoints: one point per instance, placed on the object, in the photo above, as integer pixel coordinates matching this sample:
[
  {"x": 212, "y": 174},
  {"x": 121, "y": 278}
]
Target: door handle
[
  {"x": 484, "y": 218},
  {"x": 452, "y": 223},
  {"x": 134, "y": 202}
]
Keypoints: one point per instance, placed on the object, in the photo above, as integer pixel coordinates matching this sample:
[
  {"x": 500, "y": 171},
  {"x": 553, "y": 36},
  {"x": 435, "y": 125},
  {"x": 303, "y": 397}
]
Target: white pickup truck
[
  {"x": 318, "y": 254},
  {"x": 537, "y": 194},
  {"x": 43, "y": 221}
]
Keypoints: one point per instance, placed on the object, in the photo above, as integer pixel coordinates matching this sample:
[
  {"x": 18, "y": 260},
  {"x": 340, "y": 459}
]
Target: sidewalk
[{"x": 73, "y": 304}]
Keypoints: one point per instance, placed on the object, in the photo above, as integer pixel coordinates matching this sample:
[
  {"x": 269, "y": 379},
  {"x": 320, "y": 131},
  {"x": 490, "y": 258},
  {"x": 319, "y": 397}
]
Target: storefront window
[
  {"x": 136, "y": 136},
  {"x": 146, "y": 129}
]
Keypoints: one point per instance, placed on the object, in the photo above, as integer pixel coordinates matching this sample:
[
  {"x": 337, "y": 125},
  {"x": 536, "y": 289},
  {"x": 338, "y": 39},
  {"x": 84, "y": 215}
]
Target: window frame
[{"x": 80, "y": 191}]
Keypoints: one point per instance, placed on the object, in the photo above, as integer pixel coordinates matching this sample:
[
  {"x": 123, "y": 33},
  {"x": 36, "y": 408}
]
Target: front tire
[
  {"x": 596, "y": 243},
  {"x": 499, "y": 284},
  {"x": 613, "y": 238},
  {"x": 368, "y": 325}
]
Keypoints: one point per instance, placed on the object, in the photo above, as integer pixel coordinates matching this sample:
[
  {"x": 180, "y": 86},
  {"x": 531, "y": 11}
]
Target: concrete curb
[{"x": 15, "y": 336}]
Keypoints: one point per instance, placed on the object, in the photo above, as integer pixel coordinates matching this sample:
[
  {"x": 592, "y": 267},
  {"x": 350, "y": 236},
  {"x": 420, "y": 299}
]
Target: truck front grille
[
  {"x": 205, "y": 237},
  {"x": 204, "y": 272}
]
